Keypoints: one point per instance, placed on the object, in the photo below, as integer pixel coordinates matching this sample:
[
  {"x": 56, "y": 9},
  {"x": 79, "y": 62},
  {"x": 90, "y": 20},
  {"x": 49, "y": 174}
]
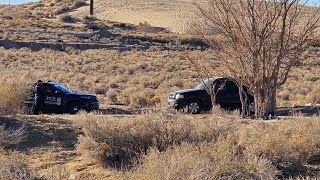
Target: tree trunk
[
  {"x": 261, "y": 107},
  {"x": 273, "y": 103}
]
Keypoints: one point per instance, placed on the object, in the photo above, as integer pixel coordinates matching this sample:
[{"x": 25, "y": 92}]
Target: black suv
[
  {"x": 58, "y": 99},
  {"x": 197, "y": 99}
]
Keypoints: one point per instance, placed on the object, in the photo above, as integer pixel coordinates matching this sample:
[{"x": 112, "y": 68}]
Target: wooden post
[{"x": 91, "y": 7}]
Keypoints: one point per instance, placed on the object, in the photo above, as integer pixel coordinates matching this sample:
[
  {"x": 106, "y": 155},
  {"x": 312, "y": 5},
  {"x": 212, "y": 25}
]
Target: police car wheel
[
  {"x": 74, "y": 108},
  {"x": 34, "y": 112}
]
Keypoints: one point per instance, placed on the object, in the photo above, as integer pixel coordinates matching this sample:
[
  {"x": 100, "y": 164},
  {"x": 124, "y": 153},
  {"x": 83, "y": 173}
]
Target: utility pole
[{"x": 91, "y": 7}]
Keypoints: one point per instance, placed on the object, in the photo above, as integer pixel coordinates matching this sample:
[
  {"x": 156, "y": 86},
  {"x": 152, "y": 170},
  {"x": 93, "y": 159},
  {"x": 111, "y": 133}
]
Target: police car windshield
[
  {"x": 63, "y": 89},
  {"x": 204, "y": 84}
]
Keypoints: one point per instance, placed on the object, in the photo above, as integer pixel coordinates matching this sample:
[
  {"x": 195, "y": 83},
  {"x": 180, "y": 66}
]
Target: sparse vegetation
[
  {"x": 13, "y": 91},
  {"x": 204, "y": 161},
  {"x": 68, "y": 19},
  {"x": 14, "y": 168},
  {"x": 132, "y": 77},
  {"x": 79, "y": 3},
  {"x": 13, "y": 165},
  {"x": 155, "y": 146}
]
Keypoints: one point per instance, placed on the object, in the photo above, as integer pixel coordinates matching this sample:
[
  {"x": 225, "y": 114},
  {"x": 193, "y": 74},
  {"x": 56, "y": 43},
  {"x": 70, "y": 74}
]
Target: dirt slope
[{"x": 172, "y": 14}]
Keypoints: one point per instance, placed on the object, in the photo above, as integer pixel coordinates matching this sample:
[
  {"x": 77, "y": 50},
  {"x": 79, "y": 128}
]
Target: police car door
[{"x": 53, "y": 98}]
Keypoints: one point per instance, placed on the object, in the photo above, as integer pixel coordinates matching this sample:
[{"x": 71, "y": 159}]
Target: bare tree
[
  {"x": 258, "y": 42},
  {"x": 206, "y": 74}
]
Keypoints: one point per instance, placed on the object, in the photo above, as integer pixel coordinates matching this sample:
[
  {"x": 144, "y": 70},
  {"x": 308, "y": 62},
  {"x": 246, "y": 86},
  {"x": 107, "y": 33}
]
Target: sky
[
  {"x": 311, "y": 2},
  {"x": 16, "y": 1}
]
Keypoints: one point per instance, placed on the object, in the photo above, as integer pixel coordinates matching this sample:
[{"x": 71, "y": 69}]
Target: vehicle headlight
[{"x": 179, "y": 96}]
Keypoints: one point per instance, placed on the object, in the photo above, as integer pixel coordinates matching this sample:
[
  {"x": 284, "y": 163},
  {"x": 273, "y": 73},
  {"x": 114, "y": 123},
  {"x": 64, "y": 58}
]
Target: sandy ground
[{"x": 175, "y": 15}]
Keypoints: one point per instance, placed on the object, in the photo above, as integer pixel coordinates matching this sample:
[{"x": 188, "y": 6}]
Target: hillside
[
  {"x": 175, "y": 15},
  {"x": 132, "y": 67}
]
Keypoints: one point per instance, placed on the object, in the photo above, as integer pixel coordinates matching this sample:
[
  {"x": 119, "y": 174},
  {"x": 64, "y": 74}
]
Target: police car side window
[{"x": 50, "y": 89}]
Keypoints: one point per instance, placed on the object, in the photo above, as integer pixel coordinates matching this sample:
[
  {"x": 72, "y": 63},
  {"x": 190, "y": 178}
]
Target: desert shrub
[
  {"x": 315, "y": 43},
  {"x": 10, "y": 136},
  {"x": 78, "y": 3},
  {"x": 100, "y": 91},
  {"x": 112, "y": 142},
  {"x": 70, "y": 50},
  {"x": 112, "y": 96},
  {"x": 313, "y": 96},
  {"x": 288, "y": 145},
  {"x": 68, "y": 19},
  {"x": 61, "y": 10},
  {"x": 141, "y": 99},
  {"x": 146, "y": 27},
  {"x": 14, "y": 168},
  {"x": 12, "y": 94},
  {"x": 57, "y": 1},
  {"x": 87, "y": 19},
  {"x": 193, "y": 41},
  {"x": 120, "y": 142},
  {"x": 224, "y": 160}
]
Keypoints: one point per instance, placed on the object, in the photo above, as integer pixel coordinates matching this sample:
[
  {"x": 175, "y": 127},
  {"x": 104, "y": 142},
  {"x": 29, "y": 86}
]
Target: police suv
[{"x": 58, "y": 99}]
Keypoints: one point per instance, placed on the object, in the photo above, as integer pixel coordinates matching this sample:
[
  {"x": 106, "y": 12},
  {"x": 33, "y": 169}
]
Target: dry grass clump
[
  {"x": 120, "y": 141},
  {"x": 288, "y": 145},
  {"x": 68, "y": 19},
  {"x": 301, "y": 87},
  {"x": 78, "y": 3},
  {"x": 12, "y": 94},
  {"x": 142, "y": 99},
  {"x": 10, "y": 136},
  {"x": 12, "y": 164},
  {"x": 159, "y": 146},
  {"x": 14, "y": 168},
  {"x": 146, "y": 27},
  {"x": 224, "y": 160}
]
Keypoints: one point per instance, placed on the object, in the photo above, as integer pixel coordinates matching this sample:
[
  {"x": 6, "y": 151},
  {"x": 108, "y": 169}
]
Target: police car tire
[
  {"x": 34, "y": 112},
  {"x": 74, "y": 108}
]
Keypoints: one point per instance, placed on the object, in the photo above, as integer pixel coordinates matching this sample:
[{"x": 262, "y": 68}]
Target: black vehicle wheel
[
  {"x": 194, "y": 106},
  {"x": 34, "y": 112},
  {"x": 74, "y": 108}
]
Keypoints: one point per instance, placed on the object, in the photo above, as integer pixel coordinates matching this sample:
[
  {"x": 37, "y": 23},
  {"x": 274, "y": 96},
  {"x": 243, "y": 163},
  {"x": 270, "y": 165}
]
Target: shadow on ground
[
  {"x": 42, "y": 132},
  {"x": 299, "y": 110},
  {"x": 117, "y": 111}
]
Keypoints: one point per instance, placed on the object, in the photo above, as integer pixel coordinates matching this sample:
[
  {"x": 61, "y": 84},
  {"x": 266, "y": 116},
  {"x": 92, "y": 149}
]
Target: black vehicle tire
[
  {"x": 74, "y": 108},
  {"x": 194, "y": 106},
  {"x": 33, "y": 112}
]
